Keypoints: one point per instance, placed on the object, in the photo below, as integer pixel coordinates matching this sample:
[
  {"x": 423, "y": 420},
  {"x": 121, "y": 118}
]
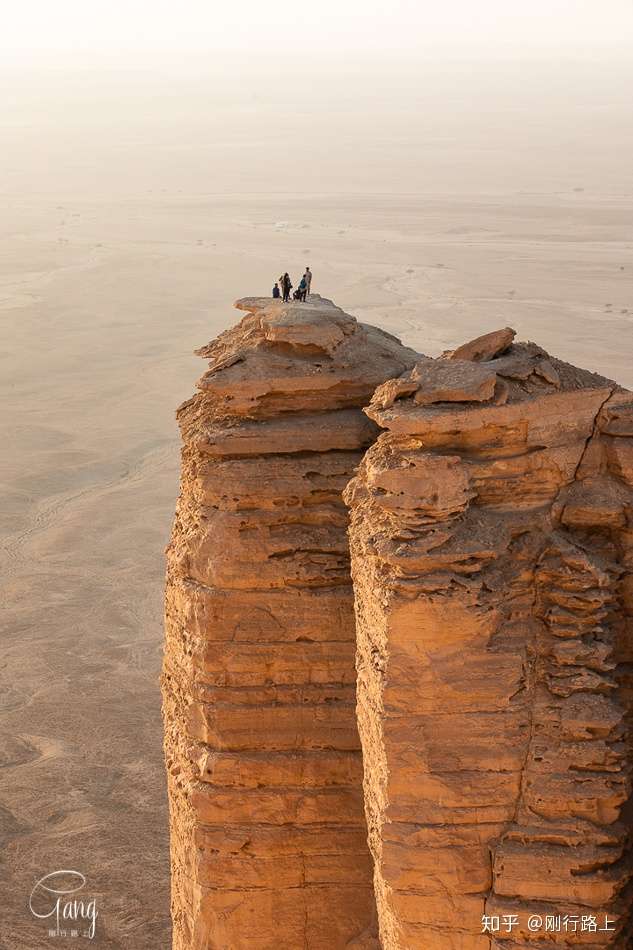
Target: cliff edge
[
  {"x": 269, "y": 842},
  {"x": 478, "y": 649},
  {"x": 492, "y": 544}
]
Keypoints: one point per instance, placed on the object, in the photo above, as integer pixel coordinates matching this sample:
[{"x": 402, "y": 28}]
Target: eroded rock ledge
[
  {"x": 492, "y": 546},
  {"x": 269, "y": 842},
  {"x": 491, "y": 533}
]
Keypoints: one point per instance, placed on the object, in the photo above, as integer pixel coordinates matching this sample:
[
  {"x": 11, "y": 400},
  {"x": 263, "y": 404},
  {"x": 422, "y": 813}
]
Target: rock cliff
[
  {"x": 491, "y": 535},
  {"x": 269, "y": 842},
  {"x": 492, "y": 546}
]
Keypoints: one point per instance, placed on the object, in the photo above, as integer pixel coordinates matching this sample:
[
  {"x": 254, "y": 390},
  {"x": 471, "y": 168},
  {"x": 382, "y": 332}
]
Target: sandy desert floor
[{"x": 102, "y": 300}]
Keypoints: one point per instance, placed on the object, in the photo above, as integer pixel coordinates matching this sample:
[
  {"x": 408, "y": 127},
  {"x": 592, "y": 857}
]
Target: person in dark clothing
[
  {"x": 303, "y": 288},
  {"x": 286, "y": 287},
  {"x": 297, "y": 295},
  {"x": 276, "y": 293}
]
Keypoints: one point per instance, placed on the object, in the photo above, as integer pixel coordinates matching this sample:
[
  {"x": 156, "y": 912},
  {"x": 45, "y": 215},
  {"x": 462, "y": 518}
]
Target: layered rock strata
[
  {"x": 269, "y": 842},
  {"x": 492, "y": 547}
]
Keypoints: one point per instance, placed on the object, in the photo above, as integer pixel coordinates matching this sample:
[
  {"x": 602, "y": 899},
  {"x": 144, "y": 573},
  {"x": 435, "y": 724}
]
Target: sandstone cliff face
[
  {"x": 492, "y": 547},
  {"x": 265, "y": 778}
]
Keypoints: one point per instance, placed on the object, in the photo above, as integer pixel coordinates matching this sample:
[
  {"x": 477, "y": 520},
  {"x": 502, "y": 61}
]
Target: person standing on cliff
[
  {"x": 308, "y": 279},
  {"x": 286, "y": 287},
  {"x": 276, "y": 293}
]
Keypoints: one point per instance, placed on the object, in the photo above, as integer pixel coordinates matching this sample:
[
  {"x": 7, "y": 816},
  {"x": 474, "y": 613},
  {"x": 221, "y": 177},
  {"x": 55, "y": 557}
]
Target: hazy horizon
[
  {"x": 37, "y": 30},
  {"x": 414, "y": 127}
]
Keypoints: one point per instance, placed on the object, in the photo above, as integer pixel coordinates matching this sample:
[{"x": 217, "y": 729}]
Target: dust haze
[{"x": 439, "y": 198}]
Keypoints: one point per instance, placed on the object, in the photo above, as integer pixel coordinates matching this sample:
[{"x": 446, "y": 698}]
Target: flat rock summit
[{"x": 397, "y": 683}]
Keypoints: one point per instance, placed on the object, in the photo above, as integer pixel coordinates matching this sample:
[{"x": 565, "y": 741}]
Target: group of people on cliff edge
[{"x": 283, "y": 287}]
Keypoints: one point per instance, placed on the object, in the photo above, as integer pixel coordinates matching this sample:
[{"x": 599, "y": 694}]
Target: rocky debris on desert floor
[
  {"x": 490, "y": 497},
  {"x": 269, "y": 841},
  {"x": 492, "y": 544}
]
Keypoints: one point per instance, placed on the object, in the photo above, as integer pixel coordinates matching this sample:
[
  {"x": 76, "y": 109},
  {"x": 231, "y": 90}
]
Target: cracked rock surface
[
  {"x": 268, "y": 835},
  {"x": 492, "y": 546}
]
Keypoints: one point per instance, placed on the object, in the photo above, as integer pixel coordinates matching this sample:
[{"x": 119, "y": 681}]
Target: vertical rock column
[
  {"x": 269, "y": 842},
  {"x": 492, "y": 547}
]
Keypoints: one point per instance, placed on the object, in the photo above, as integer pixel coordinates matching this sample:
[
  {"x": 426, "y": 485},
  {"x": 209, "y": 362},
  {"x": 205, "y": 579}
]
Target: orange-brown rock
[
  {"x": 269, "y": 841},
  {"x": 492, "y": 548},
  {"x": 485, "y": 347}
]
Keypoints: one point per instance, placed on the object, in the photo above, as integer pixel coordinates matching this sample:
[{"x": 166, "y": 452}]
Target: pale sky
[{"x": 67, "y": 31}]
